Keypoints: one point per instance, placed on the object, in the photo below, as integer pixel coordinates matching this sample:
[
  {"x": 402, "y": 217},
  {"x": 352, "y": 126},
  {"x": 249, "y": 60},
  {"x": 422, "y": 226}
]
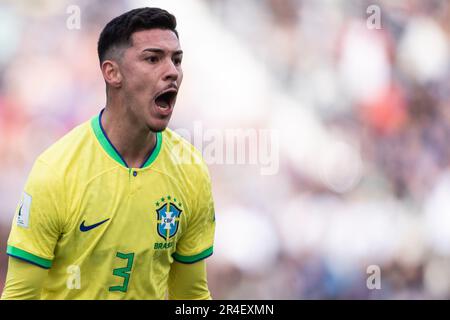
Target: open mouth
[{"x": 166, "y": 99}]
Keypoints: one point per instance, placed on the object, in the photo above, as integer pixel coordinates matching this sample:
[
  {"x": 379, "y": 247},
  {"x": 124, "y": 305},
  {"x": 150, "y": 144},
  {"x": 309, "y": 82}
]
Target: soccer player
[{"x": 113, "y": 210}]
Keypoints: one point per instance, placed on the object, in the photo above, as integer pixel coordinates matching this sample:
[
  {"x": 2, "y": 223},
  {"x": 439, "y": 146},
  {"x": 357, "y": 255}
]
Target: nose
[{"x": 171, "y": 72}]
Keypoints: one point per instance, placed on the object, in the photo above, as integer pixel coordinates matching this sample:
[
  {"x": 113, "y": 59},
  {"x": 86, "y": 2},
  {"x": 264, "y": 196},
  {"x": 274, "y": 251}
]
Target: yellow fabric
[
  {"x": 188, "y": 282},
  {"x": 24, "y": 281},
  {"x": 76, "y": 184}
]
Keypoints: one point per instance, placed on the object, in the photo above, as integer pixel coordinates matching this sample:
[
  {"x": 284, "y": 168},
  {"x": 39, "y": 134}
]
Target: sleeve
[
  {"x": 188, "y": 281},
  {"x": 198, "y": 239},
  {"x": 37, "y": 225},
  {"x": 24, "y": 281}
]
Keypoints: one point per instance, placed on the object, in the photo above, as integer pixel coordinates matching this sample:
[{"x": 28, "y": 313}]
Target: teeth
[{"x": 162, "y": 103}]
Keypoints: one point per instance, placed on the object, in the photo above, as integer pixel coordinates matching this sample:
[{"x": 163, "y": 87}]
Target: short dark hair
[{"x": 118, "y": 31}]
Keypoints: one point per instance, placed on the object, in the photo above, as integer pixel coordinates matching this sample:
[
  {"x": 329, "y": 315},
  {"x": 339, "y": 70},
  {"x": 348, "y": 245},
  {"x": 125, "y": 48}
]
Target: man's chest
[{"x": 127, "y": 213}]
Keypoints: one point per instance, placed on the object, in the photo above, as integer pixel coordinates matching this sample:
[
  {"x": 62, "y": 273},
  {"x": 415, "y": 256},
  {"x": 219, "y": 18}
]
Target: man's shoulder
[
  {"x": 183, "y": 154},
  {"x": 61, "y": 152}
]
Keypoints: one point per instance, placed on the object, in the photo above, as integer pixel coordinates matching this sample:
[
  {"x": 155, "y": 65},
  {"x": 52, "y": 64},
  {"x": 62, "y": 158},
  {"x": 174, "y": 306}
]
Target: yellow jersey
[{"x": 107, "y": 231}]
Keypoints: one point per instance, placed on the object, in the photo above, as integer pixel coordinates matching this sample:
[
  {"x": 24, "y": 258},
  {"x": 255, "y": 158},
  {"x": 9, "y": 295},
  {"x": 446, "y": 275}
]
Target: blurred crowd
[{"x": 361, "y": 111}]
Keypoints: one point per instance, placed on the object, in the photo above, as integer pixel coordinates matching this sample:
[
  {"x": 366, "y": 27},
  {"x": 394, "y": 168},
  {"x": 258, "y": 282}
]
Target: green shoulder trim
[
  {"x": 191, "y": 259},
  {"x": 23, "y": 255}
]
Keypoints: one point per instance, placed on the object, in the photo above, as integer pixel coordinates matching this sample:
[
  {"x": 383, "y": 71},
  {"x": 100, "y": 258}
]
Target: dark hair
[{"x": 118, "y": 31}]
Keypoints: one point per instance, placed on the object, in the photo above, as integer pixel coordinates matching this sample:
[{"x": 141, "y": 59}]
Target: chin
[{"x": 158, "y": 126}]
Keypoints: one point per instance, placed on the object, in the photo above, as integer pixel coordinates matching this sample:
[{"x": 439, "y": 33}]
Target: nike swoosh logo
[{"x": 84, "y": 228}]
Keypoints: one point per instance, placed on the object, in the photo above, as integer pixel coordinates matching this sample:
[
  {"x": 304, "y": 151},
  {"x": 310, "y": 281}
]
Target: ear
[{"x": 111, "y": 73}]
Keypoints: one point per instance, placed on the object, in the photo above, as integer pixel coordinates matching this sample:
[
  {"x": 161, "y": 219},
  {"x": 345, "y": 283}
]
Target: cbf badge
[{"x": 168, "y": 217}]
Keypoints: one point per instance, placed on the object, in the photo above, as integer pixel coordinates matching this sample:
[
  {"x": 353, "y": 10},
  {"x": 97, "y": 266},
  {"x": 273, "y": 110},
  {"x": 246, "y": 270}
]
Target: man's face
[{"x": 152, "y": 75}]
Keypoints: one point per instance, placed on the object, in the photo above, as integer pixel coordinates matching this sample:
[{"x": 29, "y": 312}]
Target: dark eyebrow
[{"x": 157, "y": 50}]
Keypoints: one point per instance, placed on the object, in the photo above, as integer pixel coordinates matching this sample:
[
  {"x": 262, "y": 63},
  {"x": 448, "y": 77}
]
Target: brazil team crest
[{"x": 168, "y": 215}]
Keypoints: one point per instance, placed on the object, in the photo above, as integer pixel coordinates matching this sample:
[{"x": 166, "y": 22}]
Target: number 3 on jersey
[{"x": 124, "y": 272}]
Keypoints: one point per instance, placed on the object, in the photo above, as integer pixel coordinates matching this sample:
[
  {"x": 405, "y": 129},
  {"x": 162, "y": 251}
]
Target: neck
[{"x": 133, "y": 141}]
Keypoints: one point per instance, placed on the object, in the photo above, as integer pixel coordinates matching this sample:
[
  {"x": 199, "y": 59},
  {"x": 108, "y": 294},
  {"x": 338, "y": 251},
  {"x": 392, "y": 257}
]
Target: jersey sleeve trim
[
  {"x": 192, "y": 259},
  {"x": 29, "y": 257}
]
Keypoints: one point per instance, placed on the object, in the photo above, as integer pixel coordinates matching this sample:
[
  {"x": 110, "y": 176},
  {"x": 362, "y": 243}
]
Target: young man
[{"x": 113, "y": 210}]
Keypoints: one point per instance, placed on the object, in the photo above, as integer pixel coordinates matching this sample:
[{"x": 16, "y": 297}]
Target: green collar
[{"x": 112, "y": 151}]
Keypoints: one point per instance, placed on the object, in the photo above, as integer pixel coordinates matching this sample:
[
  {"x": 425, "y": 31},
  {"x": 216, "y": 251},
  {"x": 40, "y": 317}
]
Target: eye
[
  {"x": 177, "y": 61},
  {"x": 152, "y": 59}
]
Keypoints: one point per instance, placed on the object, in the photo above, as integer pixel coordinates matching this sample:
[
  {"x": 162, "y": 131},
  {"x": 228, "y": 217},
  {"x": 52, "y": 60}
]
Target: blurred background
[{"x": 359, "y": 107}]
